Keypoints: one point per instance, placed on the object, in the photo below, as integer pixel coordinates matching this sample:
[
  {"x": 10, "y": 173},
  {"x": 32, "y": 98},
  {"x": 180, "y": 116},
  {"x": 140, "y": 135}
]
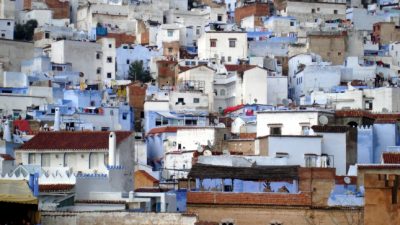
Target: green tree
[
  {"x": 138, "y": 73},
  {"x": 25, "y": 31}
]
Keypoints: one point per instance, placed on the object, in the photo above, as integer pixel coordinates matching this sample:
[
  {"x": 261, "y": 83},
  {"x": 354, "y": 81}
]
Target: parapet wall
[{"x": 120, "y": 218}]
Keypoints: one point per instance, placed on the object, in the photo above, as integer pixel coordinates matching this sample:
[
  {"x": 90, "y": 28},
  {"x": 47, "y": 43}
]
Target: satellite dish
[
  {"x": 347, "y": 180},
  {"x": 207, "y": 153},
  {"x": 209, "y": 144},
  {"x": 285, "y": 102},
  {"x": 323, "y": 120},
  {"x": 221, "y": 125},
  {"x": 216, "y": 121}
]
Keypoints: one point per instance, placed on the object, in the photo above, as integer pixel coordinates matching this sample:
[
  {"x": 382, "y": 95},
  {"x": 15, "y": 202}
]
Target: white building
[
  {"x": 308, "y": 73},
  {"x": 7, "y": 29},
  {"x": 85, "y": 57},
  {"x": 288, "y": 122},
  {"x": 354, "y": 70},
  {"x": 245, "y": 84},
  {"x": 203, "y": 76},
  {"x": 394, "y": 52},
  {"x": 282, "y": 26},
  {"x": 312, "y": 11},
  {"x": 223, "y": 46},
  {"x": 7, "y": 9},
  {"x": 86, "y": 152},
  {"x": 260, "y": 87},
  {"x": 116, "y": 18},
  {"x": 169, "y": 33},
  {"x": 315, "y": 78},
  {"x": 179, "y": 156},
  {"x": 108, "y": 59},
  {"x": 383, "y": 99}
]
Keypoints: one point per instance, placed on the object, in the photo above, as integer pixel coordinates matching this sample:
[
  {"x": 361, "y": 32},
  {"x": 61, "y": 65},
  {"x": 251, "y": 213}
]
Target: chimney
[
  {"x": 7, "y": 132},
  {"x": 57, "y": 120},
  {"x": 112, "y": 147}
]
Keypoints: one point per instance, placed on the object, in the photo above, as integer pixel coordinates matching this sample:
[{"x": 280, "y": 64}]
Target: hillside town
[{"x": 200, "y": 112}]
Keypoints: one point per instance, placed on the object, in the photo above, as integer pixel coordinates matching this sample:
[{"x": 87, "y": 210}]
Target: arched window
[{"x": 222, "y": 92}]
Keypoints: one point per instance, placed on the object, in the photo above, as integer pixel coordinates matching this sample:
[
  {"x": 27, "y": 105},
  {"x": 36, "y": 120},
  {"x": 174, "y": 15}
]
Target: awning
[
  {"x": 16, "y": 191},
  {"x": 168, "y": 115}
]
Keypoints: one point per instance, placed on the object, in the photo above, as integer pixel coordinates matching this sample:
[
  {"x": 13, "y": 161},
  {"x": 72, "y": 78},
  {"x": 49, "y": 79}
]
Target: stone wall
[
  {"x": 245, "y": 215},
  {"x": 120, "y": 218}
]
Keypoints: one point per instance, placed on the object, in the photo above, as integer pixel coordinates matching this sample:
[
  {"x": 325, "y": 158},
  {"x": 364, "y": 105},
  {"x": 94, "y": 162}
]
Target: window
[
  {"x": 213, "y": 43},
  {"x": 196, "y": 100},
  {"x": 128, "y": 61},
  {"x": 219, "y": 17},
  {"x": 124, "y": 116},
  {"x": 318, "y": 9},
  {"x": 47, "y": 35},
  {"x": 105, "y": 128},
  {"x": 281, "y": 155},
  {"x": 108, "y": 75},
  {"x": 31, "y": 158},
  {"x": 98, "y": 71},
  {"x": 339, "y": 53},
  {"x": 110, "y": 45},
  {"x": 335, "y": 11},
  {"x": 275, "y": 130},
  {"x": 368, "y": 104},
  {"x": 198, "y": 31},
  {"x": 161, "y": 121},
  {"x": 170, "y": 33},
  {"x": 232, "y": 43},
  {"x": 8, "y": 23},
  {"x": 291, "y": 23},
  {"x": 169, "y": 50},
  {"x": 45, "y": 160},
  {"x": 222, "y": 92},
  {"x": 3, "y": 34},
  {"x": 310, "y": 160},
  {"x": 109, "y": 59},
  {"x": 312, "y": 10},
  {"x": 305, "y": 130},
  {"x": 229, "y": 58},
  {"x": 98, "y": 55},
  {"x": 180, "y": 101}
]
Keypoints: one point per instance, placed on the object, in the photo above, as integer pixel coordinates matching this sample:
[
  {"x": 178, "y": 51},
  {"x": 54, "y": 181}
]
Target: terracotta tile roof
[
  {"x": 391, "y": 157},
  {"x": 166, "y": 129},
  {"x": 330, "y": 129},
  {"x": 379, "y": 117},
  {"x": 6, "y": 157},
  {"x": 65, "y": 140},
  {"x": 238, "y": 68},
  {"x": 378, "y": 166},
  {"x": 55, "y": 187},
  {"x": 152, "y": 190}
]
